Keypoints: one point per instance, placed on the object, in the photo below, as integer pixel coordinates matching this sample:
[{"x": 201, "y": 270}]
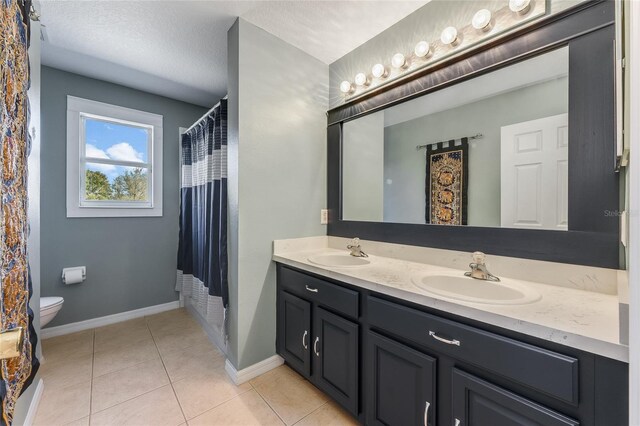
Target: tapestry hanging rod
[{"x": 476, "y": 136}]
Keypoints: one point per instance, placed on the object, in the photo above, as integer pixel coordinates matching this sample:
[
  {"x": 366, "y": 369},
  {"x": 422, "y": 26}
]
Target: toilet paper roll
[{"x": 73, "y": 276}]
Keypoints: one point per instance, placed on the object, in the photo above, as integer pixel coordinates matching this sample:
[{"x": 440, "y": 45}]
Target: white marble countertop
[{"x": 576, "y": 318}]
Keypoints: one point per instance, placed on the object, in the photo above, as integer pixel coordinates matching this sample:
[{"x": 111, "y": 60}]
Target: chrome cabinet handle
[
  {"x": 315, "y": 346},
  {"x": 440, "y": 339},
  {"x": 457, "y": 422},
  {"x": 304, "y": 338},
  {"x": 313, "y": 290},
  {"x": 426, "y": 412}
]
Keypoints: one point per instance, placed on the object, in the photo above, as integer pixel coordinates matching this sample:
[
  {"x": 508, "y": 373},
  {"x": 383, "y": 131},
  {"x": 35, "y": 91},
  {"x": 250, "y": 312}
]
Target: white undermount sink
[
  {"x": 459, "y": 287},
  {"x": 338, "y": 260}
]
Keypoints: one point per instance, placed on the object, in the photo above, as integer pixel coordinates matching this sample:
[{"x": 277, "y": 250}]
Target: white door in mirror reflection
[{"x": 534, "y": 174}]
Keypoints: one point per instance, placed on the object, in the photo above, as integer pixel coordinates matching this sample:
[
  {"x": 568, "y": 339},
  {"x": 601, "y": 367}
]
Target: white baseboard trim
[
  {"x": 35, "y": 402},
  {"x": 60, "y": 330},
  {"x": 252, "y": 371}
]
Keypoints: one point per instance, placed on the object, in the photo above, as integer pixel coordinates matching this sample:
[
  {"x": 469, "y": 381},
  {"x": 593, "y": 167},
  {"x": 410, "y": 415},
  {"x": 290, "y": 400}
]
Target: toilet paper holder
[{"x": 73, "y": 271}]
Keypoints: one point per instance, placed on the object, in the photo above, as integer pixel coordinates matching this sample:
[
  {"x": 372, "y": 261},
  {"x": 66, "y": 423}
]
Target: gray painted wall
[
  {"x": 277, "y": 153},
  {"x": 425, "y": 23},
  {"x": 233, "y": 139},
  {"x": 131, "y": 262},
  {"x": 404, "y": 199},
  {"x": 363, "y": 153}
]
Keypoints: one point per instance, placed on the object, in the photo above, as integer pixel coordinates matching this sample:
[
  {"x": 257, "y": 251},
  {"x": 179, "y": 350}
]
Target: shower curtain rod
[{"x": 206, "y": 114}]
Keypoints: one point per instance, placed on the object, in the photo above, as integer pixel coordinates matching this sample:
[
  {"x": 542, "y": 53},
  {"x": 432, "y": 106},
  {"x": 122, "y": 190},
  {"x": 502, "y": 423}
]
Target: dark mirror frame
[{"x": 593, "y": 237}]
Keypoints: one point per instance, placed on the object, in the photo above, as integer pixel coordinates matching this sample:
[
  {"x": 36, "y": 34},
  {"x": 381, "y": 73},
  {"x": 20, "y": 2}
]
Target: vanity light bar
[{"x": 450, "y": 38}]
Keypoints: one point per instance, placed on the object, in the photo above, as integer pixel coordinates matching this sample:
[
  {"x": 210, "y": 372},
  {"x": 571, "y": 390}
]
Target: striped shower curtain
[
  {"x": 202, "y": 249},
  {"x": 17, "y": 373}
]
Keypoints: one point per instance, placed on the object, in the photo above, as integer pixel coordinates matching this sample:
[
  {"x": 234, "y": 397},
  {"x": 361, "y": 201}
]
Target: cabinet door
[
  {"x": 335, "y": 365},
  {"x": 477, "y": 402},
  {"x": 401, "y": 384},
  {"x": 294, "y": 332}
]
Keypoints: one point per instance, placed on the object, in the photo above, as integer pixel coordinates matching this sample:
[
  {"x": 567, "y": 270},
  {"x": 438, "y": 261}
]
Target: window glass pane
[
  {"x": 115, "y": 141},
  {"x": 116, "y": 183}
]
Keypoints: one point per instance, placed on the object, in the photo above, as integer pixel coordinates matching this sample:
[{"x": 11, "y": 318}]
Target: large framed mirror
[
  {"x": 510, "y": 150},
  {"x": 491, "y": 151}
]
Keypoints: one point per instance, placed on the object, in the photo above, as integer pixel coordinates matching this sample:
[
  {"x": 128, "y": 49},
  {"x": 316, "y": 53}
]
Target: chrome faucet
[
  {"x": 356, "y": 250},
  {"x": 479, "y": 268}
]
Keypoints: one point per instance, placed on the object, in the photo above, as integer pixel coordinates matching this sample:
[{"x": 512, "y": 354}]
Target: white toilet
[{"x": 49, "y": 307}]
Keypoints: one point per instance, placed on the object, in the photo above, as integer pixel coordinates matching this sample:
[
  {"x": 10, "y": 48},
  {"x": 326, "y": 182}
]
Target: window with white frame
[{"x": 114, "y": 160}]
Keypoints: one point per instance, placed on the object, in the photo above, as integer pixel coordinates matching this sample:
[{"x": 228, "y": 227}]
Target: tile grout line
[
  {"x": 155, "y": 338},
  {"x": 184, "y": 378},
  {"x": 146, "y": 361},
  {"x": 221, "y": 404},
  {"x": 226, "y": 400},
  {"x": 165, "y": 370},
  {"x": 93, "y": 363},
  {"x": 269, "y": 405},
  {"x": 317, "y": 409},
  {"x": 91, "y": 381},
  {"x": 74, "y": 384},
  {"x": 144, "y": 393},
  {"x": 127, "y": 400}
]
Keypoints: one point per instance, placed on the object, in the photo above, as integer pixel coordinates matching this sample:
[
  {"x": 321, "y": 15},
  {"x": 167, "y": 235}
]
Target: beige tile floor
[{"x": 162, "y": 370}]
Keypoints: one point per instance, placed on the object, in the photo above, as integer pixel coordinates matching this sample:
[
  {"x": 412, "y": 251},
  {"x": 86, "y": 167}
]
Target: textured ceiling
[{"x": 179, "y": 48}]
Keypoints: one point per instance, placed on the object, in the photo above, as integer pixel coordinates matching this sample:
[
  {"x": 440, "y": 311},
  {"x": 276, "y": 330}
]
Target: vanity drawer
[
  {"x": 322, "y": 292},
  {"x": 546, "y": 371}
]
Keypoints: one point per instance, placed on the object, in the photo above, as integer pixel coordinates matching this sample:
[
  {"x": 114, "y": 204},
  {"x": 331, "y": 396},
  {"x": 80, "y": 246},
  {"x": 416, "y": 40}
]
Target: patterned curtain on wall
[
  {"x": 202, "y": 251},
  {"x": 16, "y": 373},
  {"x": 446, "y": 182}
]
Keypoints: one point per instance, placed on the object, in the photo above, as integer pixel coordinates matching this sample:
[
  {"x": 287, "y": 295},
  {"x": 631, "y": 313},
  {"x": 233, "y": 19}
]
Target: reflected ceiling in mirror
[{"x": 491, "y": 151}]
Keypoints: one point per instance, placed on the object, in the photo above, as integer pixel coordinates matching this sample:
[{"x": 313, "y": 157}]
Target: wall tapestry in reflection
[{"x": 446, "y": 183}]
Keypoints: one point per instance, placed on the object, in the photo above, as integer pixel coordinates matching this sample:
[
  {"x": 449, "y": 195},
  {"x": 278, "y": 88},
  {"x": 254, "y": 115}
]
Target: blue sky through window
[{"x": 120, "y": 142}]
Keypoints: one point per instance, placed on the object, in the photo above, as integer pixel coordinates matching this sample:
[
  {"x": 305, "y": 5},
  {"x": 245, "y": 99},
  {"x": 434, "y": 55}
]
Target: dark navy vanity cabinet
[
  {"x": 318, "y": 334},
  {"x": 391, "y": 362}
]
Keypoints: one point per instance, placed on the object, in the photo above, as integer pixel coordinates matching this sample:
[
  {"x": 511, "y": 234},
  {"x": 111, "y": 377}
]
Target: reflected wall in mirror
[{"x": 492, "y": 153}]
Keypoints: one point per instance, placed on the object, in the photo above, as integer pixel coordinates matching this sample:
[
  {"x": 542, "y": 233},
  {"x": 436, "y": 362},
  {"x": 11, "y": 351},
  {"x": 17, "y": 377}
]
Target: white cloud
[
  {"x": 95, "y": 152},
  {"x": 123, "y": 151}
]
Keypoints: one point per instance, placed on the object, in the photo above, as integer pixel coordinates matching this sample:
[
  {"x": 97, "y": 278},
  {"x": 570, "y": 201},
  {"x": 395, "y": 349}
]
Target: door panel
[
  {"x": 335, "y": 359},
  {"x": 401, "y": 385},
  {"x": 294, "y": 332},
  {"x": 534, "y": 174},
  {"x": 477, "y": 402}
]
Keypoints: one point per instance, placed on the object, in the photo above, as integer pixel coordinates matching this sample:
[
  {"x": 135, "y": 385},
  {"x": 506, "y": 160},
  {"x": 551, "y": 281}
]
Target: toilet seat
[{"x": 50, "y": 303}]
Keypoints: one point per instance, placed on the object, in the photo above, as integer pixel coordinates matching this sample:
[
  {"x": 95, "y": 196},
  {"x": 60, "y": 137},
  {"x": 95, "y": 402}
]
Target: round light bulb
[
  {"x": 481, "y": 19},
  {"x": 379, "y": 71},
  {"x": 346, "y": 87},
  {"x": 519, "y": 6},
  {"x": 398, "y": 60},
  {"x": 422, "y": 49},
  {"x": 361, "y": 79},
  {"x": 449, "y": 35}
]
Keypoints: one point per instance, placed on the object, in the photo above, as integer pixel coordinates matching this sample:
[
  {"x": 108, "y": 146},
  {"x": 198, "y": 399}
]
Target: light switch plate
[{"x": 324, "y": 216}]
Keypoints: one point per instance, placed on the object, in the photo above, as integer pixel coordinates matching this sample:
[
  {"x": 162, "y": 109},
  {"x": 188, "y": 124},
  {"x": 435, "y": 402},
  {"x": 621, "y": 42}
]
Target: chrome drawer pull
[
  {"x": 304, "y": 338},
  {"x": 440, "y": 339},
  {"x": 426, "y": 412},
  {"x": 315, "y": 346},
  {"x": 313, "y": 290},
  {"x": 457, "y": 422}
]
